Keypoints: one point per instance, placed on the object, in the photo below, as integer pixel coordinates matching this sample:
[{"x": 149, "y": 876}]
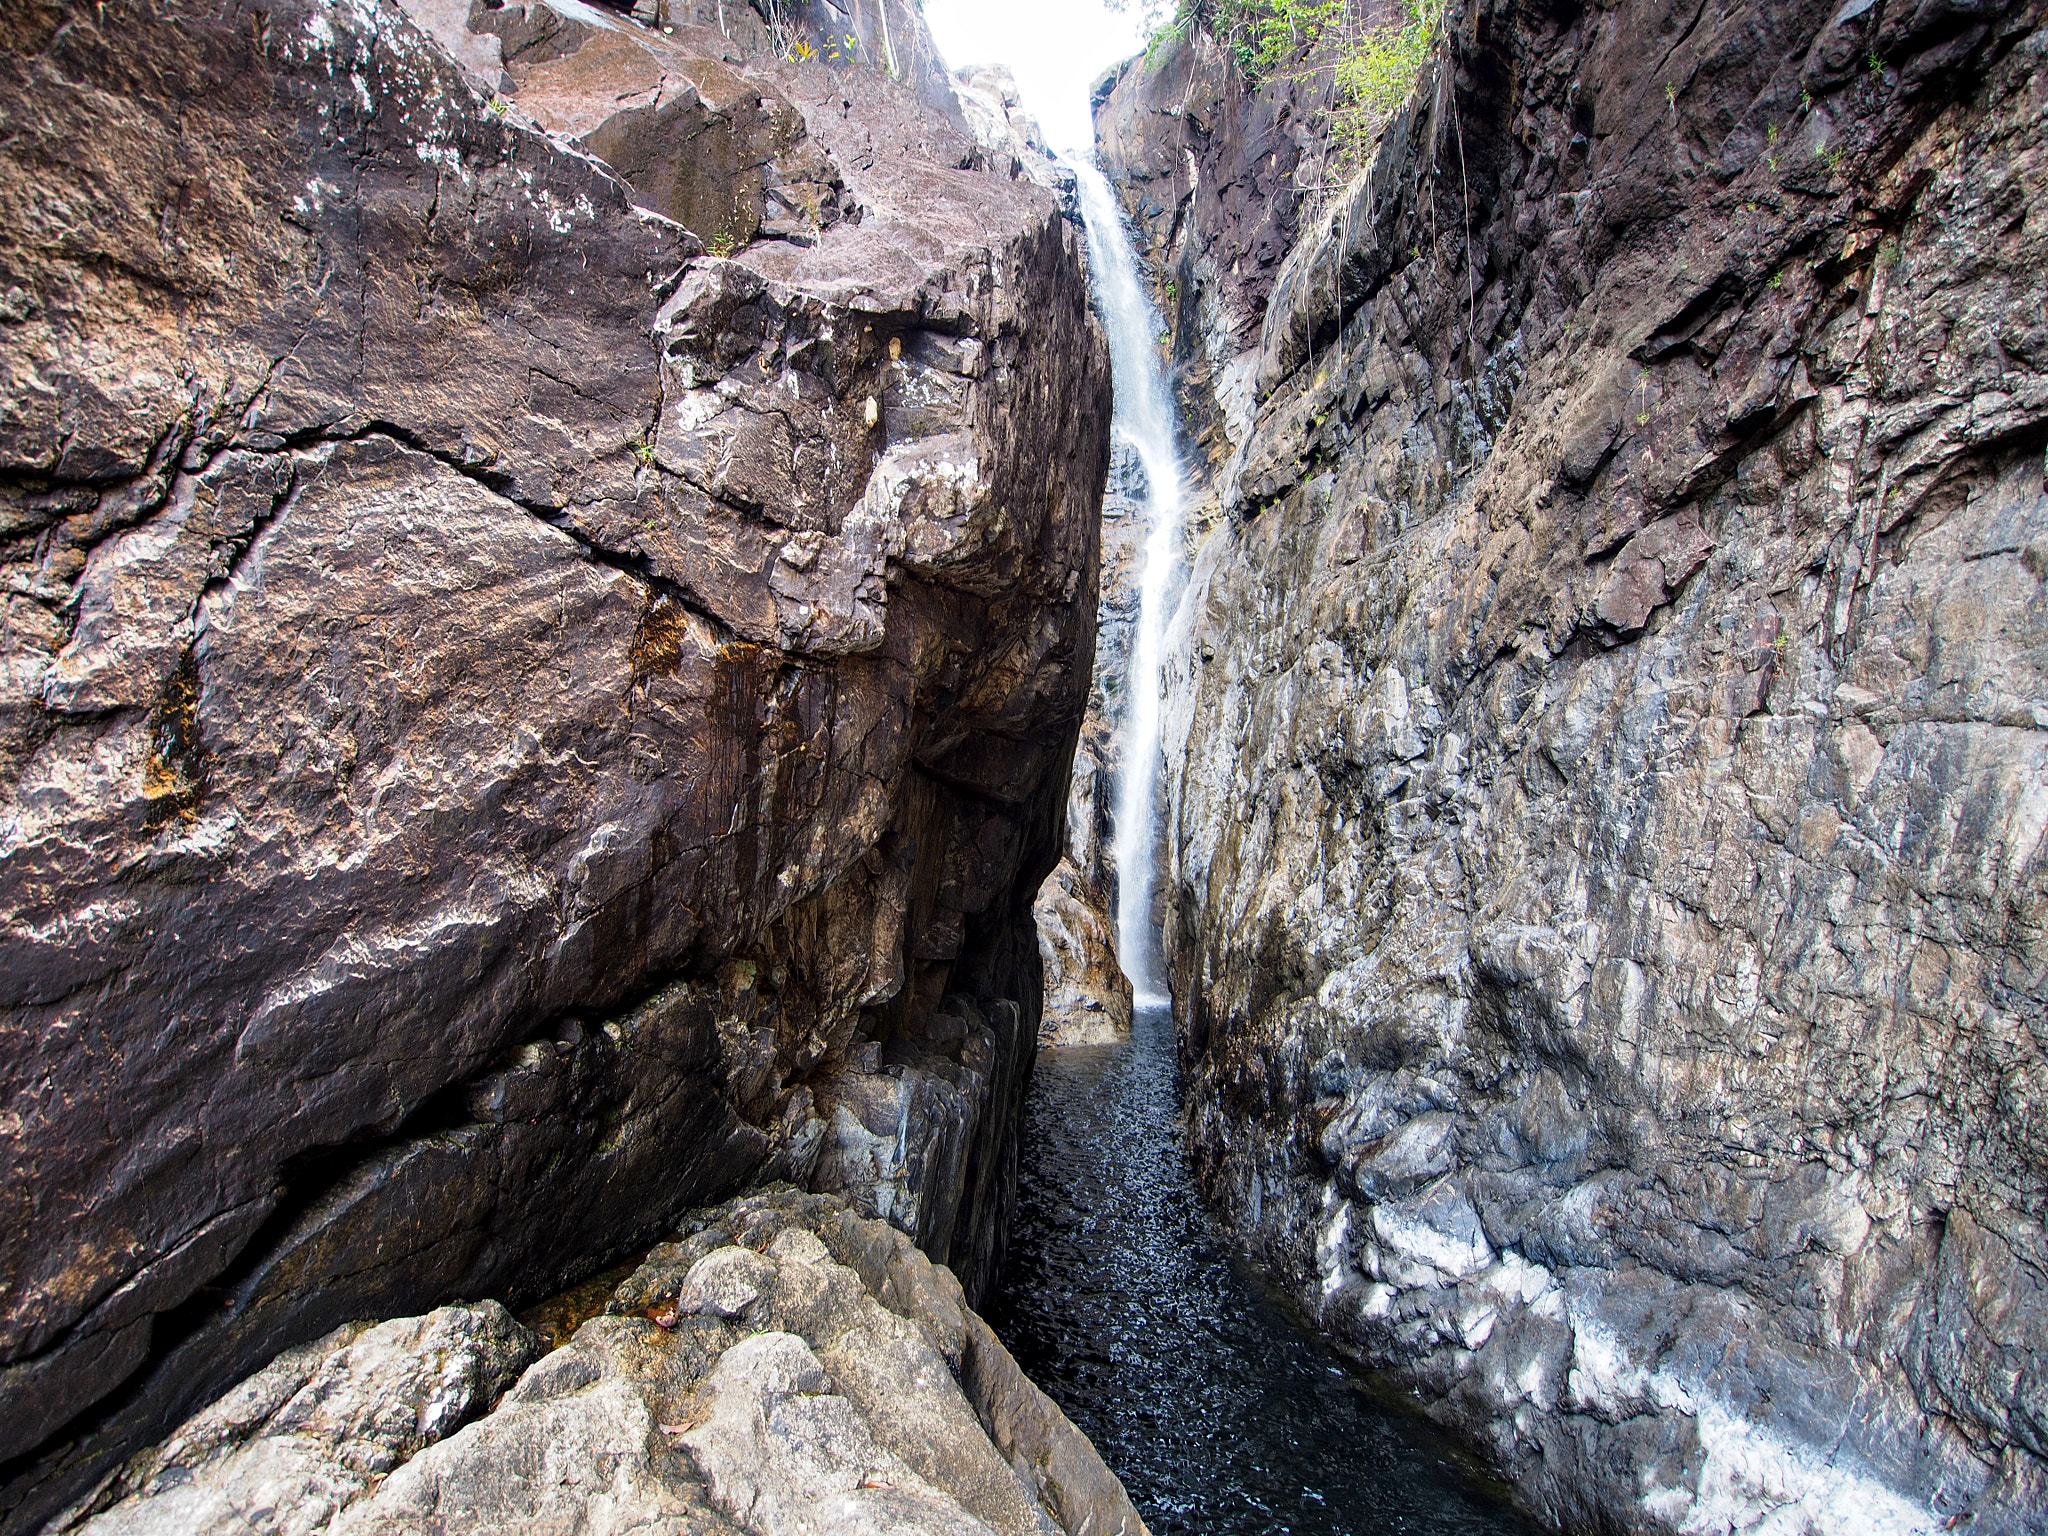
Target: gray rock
[
  {"x": 1087, "y": 995},
  {"x": 787, "y": 1457},
  {"x": 313, "y": 1431},
  {"x": 1009, "y": 135},
  {"x": 857, "y": 1396},
  {"x": 1088, "y": 998},
  {"x": 1605, "y": 764},
  {"x": 582, "y": 1446}
]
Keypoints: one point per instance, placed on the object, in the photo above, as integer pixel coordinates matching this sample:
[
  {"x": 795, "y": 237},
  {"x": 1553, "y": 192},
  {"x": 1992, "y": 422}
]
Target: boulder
[
  {"x": 526, "y": 682},
  {"x": 788, "y": 1368}
]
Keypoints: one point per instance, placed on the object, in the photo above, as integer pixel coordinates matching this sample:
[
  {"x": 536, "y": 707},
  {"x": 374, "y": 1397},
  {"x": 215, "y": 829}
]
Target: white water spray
[{"x": 1144, "y": 418}]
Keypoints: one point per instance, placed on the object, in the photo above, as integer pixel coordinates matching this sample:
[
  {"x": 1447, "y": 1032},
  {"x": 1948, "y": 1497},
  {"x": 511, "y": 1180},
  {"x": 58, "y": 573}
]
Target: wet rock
[
  {"x": 852, "y": 1390},
  {"x": 1215, "y": 178},
  {"x": 1605, "y": 765},
  {"x": 513, "y": 708},
  {"x": 1088, "y": 997}
]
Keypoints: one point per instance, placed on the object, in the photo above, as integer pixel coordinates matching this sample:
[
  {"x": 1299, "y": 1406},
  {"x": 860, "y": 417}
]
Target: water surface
[{"x": 1122, "y": 1300}]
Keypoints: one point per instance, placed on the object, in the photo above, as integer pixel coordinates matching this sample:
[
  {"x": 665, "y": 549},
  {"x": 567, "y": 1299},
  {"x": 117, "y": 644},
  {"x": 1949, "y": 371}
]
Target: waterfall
[{"x": 1144, "y": 419}]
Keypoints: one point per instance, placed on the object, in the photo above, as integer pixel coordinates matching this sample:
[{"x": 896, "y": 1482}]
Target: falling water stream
[
  {"x": 1144, "y": 420},
  {"x": 1120, "y": 1295}
]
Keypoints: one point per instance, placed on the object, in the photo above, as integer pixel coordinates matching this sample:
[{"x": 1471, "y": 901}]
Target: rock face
[
  {"x": 787, "y": 1367},
  {"x": 316, "y": 1429},
  {"x": 1087, "y": 998},
  {"x": 1211, "y": 176},
  {"x": 1607, "y": 765},
  {"x": 519, "y": 713},
  {"x": 1010, "y": 135}
]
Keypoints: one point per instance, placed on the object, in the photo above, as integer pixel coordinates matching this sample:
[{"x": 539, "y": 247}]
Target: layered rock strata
[
  {"x": 787, "y": 1366},
  {"x": 1607, "y": 765},
  {"x": 545, "y": 627}
]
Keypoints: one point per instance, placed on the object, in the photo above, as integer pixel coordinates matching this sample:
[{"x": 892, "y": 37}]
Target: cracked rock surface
[
  {"x": 787, "y": 1369},
  {"x": 1607, "y": 772},
  {"x": 550, "y": 586}
]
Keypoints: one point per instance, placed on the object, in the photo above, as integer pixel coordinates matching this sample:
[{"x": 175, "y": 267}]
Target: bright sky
[{"x": 1055, "y": 48}]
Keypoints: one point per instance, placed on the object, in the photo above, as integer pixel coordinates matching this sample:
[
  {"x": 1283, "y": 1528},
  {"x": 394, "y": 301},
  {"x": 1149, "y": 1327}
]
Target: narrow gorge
[{"x": 731, "y": 803}]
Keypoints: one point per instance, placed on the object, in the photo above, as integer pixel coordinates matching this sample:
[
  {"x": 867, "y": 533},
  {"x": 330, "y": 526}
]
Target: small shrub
[
  {"x": 1170, "y": 31},
  {"x": 1377, "y": 71},
  {"x": 1369, "y": 70},
  {"x": 1281, "y": 29}
]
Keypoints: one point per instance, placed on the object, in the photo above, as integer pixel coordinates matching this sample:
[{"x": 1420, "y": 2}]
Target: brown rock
[{"x": 499, "y": 708}]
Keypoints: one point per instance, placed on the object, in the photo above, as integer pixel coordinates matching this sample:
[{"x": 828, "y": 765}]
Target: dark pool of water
[{"x": 1123, "y": 1301}]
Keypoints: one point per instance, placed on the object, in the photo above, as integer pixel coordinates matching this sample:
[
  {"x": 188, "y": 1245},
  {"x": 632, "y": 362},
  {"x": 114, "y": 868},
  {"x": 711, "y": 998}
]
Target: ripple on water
[{"x": 1121, "y": 1299}]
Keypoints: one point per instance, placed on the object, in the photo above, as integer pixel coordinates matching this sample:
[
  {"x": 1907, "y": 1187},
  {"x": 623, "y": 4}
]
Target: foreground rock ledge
[
  {"x": 512, "y": 725},
  {"x": 786, "y": 1367}
]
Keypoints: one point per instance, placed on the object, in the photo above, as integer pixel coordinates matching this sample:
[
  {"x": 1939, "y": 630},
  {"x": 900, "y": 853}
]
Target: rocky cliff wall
[
  {"x": 1607, "y": 764},
  {"x": 1087, "y": 996},
  {"x": 546, "y": 618},
  {"x": 1210, "y": 173}
]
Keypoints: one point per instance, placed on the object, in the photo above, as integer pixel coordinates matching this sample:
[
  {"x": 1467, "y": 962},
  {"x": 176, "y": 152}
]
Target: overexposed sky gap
[{"x": 1055, "y": 48}]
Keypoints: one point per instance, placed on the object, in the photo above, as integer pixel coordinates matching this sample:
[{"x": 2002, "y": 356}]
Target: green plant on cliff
[
  {"x": 1369, "y": 65},
  {"x": 1264, "y": 36},
  {"x": 1280, "y": 30},
  {"x": 1376, "y": 71}
]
